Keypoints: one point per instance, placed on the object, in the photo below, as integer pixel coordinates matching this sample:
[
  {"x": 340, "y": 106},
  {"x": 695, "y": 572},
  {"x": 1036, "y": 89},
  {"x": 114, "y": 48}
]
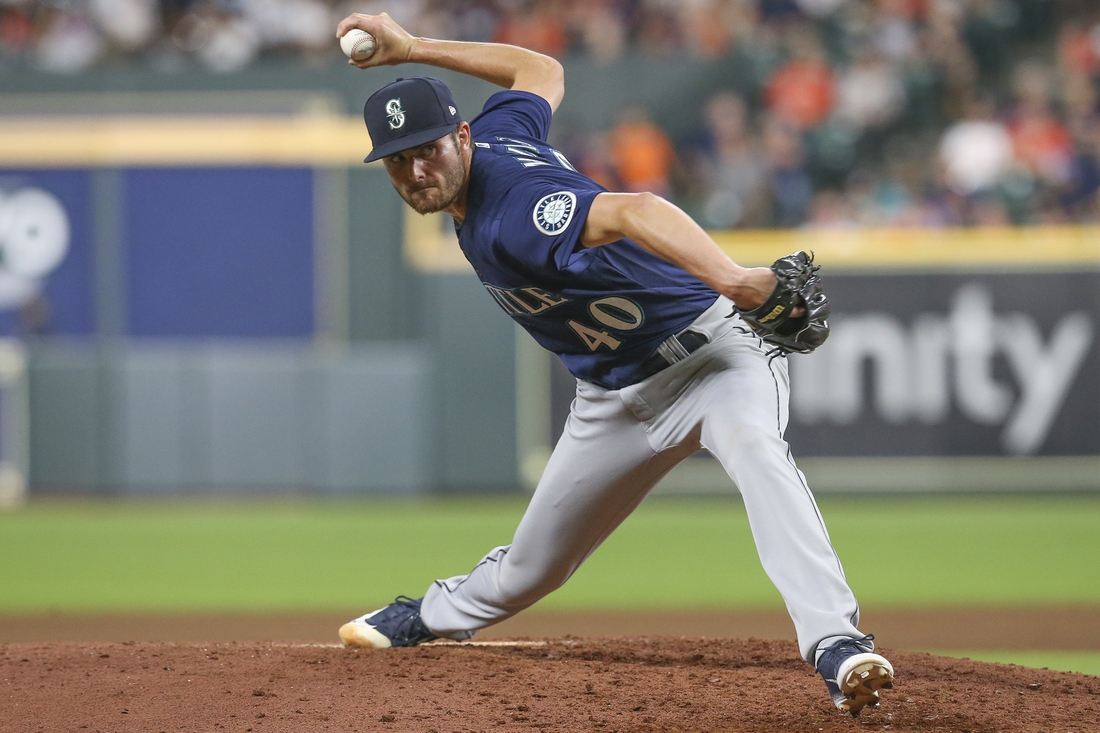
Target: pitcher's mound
[{"x": 621, "y": 684}]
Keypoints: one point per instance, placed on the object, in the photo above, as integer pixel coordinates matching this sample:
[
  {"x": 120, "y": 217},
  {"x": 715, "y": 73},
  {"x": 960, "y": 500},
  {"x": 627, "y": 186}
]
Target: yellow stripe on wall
[
  {"x": 1061, "y": 247},
  {"x": 51, "y": 142},
  {"x": 430, "y": 246}
]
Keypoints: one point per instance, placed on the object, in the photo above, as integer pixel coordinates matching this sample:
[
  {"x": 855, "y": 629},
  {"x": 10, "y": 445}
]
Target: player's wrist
[
  {"x": 436, "y": 52},
  {"x": 412, "y": 50},
  {"x": 751, "y": 287}
]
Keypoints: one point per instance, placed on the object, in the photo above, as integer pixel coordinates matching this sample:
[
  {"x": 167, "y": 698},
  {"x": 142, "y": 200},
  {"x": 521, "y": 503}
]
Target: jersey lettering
[
  {"x": 529, "y": 155},
  {"x": 620, "y": 314},
  {"x": 550, "y": 299},
  {"x": 563, "y": 160},
  {"x": 528, "y": 301},
  {"x": 594, "y": 339}
]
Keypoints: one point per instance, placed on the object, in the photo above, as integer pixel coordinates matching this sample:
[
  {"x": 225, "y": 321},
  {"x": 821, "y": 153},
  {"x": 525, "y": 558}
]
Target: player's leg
[
  {"x": 745, "y": 417},
  {"x": 600, "y": 470},
  {"x": 744, "y": 430}
]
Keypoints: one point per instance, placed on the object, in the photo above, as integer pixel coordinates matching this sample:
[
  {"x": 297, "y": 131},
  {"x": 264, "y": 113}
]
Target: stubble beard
[{"x": 449, "y": 191}]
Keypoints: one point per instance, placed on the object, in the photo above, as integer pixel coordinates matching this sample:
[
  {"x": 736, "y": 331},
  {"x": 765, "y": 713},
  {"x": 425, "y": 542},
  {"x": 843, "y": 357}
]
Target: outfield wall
[
  {"x": 247, "y": 328},
  {"x": 230, "y": 259},
  {"x": 187, "y": 323}
]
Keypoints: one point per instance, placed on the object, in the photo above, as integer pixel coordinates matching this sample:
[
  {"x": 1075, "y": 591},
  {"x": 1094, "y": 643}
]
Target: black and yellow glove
[{"x": 797, "y": 286}]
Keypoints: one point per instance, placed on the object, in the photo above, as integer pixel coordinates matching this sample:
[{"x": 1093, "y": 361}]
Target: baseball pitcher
[{"x": 675, "y": 348}]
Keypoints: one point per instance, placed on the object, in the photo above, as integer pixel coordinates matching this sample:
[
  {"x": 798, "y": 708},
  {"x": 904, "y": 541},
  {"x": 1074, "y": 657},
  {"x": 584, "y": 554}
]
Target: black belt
[{"x": 673, "y": 349}]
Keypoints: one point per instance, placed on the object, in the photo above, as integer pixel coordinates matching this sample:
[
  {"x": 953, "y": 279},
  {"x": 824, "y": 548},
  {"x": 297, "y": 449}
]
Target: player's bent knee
[{"x": 521, "y": 587}]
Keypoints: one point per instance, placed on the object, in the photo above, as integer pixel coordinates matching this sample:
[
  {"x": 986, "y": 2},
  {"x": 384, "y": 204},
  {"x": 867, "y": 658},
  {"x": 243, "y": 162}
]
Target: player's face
[{"x": 431, "y": 177}]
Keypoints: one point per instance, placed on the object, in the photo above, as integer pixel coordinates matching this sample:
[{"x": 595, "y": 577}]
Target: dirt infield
[
  {"x": 1065, "y": 628},
  {"x": 591, "y": 684},
  {"x": 585, "y": 672}
]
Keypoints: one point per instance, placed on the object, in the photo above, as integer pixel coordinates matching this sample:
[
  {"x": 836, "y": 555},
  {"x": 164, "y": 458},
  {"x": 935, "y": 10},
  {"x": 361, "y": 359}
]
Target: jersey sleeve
[
  {"x": 510, "y": 113},
  {"x": 543, "y": 222}
]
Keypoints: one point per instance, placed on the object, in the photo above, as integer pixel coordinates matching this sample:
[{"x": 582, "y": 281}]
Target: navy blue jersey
[{"x": 604, "y": 309}]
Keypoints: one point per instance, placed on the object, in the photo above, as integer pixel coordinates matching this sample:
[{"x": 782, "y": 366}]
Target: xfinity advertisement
[{"x": 990, "y": 364}]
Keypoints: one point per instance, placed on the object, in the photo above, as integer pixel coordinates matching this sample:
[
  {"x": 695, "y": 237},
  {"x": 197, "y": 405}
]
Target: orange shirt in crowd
[
  {"x": 642, "y": 155},
  {"x": 1078, "y": 52},
  {"x": 801, "y": 93},
  {"x": 1042, "y": 143},
  {"x": 16, "y": 28}
]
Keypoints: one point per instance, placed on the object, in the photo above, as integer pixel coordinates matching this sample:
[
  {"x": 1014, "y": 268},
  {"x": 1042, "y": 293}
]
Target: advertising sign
[
  {"x": 46, "y": 270},
  {"x": 946, "y": 364}
]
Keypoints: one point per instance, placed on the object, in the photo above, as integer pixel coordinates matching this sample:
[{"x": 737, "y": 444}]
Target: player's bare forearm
[
  {"x": 510, "y": 67},
  {"x": 665, "y": 230}
]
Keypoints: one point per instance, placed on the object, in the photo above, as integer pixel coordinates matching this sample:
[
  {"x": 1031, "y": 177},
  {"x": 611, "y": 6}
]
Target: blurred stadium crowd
[{"x": 852, "y": 112}]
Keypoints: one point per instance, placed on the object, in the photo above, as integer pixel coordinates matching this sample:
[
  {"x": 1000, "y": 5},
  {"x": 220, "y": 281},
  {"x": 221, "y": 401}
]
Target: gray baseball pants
[{"x": 728, "y": 397}]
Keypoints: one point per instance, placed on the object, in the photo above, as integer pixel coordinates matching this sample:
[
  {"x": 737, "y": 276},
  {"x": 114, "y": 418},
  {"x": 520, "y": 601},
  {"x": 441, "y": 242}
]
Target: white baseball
[{"x": 358, "y": 45}]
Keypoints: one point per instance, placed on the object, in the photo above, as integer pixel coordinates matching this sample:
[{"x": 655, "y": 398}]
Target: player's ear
[{"x": 465, "y": 137}]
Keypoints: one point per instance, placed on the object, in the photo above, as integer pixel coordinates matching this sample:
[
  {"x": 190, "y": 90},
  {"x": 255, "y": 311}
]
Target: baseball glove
[{"x": 797, "y": 286}]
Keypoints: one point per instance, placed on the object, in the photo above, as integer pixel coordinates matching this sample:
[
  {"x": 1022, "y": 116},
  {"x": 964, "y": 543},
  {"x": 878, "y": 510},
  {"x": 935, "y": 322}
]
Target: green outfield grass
[
  {"x": 267, "y": 556},
  {"x": 1083, "y": 662}
]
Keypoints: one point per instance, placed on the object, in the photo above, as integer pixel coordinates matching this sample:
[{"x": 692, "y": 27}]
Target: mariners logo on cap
[
  {"x": 552, "y": 213},
  {"x": 396, "y": 114}
]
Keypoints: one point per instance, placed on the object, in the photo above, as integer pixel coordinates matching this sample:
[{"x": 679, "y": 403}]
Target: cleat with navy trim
[
  {"x": 854, "y": 674},
  {"x": 398, "y": 624}
]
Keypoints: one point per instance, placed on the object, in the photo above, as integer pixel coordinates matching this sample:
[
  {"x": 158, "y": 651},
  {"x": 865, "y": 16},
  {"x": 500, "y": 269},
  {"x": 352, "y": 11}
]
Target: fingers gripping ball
[
  {"x": 797, "y": 286},
  {"x": 358, "y": 45}
]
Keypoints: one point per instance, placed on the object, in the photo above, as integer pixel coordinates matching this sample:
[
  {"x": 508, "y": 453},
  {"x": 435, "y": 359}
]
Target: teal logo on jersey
[{"x": 552, "y": 213}]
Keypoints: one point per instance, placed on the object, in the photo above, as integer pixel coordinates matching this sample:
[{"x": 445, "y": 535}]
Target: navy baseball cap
[{"x": 408, "y": 113}]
